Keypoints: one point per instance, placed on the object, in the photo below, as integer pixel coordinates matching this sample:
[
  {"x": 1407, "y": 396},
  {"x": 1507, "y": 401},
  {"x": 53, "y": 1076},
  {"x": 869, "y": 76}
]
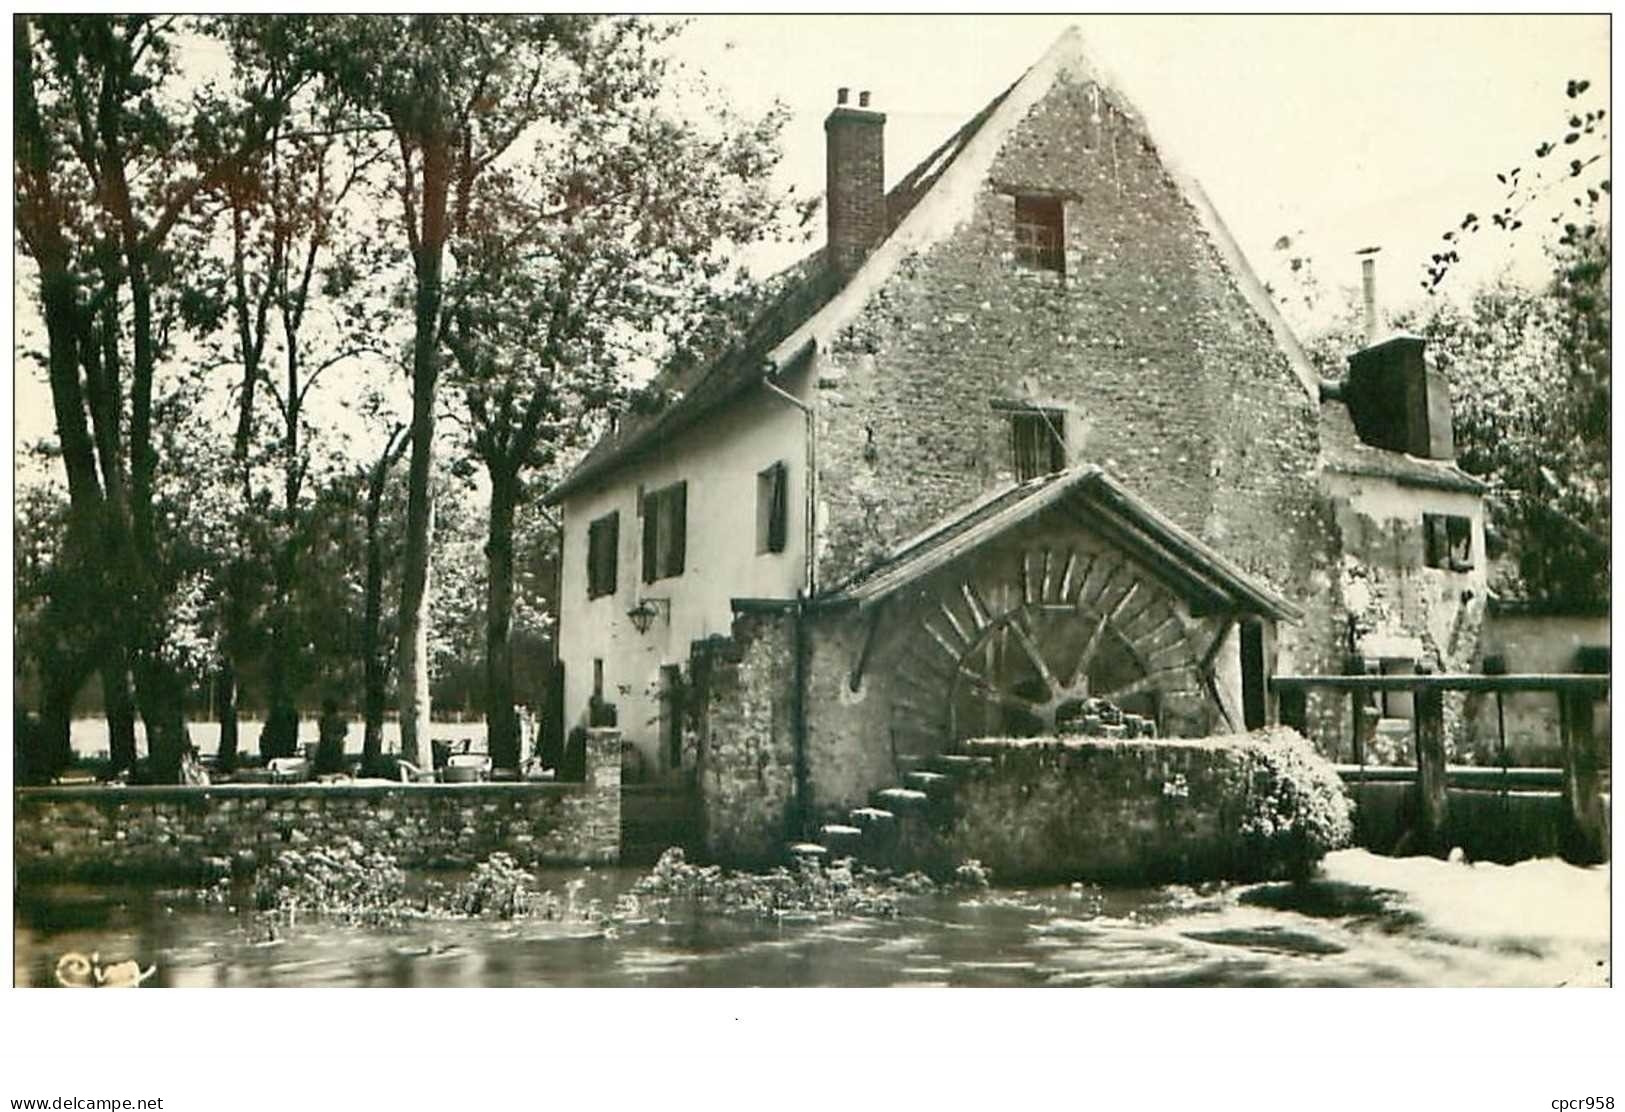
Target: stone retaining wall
[
  {"x": 1132, "y": 811},
  {"x": 81, "y": 832}
]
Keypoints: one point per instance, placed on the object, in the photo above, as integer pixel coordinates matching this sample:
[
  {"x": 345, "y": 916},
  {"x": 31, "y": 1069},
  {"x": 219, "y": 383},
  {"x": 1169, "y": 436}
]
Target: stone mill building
[{"x": 1026, "y": 431}]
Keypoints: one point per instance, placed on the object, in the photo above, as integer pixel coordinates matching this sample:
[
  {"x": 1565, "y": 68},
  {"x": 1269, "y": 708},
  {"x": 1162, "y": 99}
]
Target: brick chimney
[{"x": 855, "y": 193}]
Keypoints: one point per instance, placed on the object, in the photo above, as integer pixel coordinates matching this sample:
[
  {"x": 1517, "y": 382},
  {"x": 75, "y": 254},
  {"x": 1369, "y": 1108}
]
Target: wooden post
[
  {"x": 1433, "y": 805},
  {"x": 1582, "y": 793},
  {"x": 1294, "y": 711}
]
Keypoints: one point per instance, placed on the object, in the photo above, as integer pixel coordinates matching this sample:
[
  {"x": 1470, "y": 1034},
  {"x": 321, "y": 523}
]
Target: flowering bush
[{"x": 1296, "y": 810}]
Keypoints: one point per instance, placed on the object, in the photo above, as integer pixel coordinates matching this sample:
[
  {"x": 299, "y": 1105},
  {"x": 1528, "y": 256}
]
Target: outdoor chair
[
  {"x": 288, "y": 770},
  {"x": 466, "y": 768}
]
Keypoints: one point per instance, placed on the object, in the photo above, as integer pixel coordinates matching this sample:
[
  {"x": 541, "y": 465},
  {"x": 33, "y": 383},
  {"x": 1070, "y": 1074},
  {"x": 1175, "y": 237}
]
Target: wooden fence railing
[{"x": 1577, "y": 695}]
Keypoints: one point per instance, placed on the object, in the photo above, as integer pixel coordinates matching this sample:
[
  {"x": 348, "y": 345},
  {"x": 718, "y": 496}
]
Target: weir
[{"x": 1434, "y": 807}]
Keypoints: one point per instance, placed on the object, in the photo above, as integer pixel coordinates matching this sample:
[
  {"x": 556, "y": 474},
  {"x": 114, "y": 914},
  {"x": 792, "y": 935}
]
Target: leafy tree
[
  {"x": 113, "y": 148},
  {"x": 281, "y": 297},
  {"x": 582, "y": 259},
  {"x": 456, "y": 93}
]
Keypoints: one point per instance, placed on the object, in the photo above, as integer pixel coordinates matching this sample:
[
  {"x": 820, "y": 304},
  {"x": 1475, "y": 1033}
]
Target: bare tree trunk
[
  {"x": 414, "y": 617},
  {"x": 374, "y": 663},
  {"x": 502, "y": 725},
  {"x": 226, "y": 708},
  {"x": 119, "y": 706}
]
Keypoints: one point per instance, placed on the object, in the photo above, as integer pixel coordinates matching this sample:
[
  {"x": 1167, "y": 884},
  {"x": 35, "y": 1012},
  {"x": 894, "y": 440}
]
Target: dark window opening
[
  {"x": 1037, "y": 442},
  {"x": 772, "y": 508},
  {"x": 665, "y": 532},
  {"x": 603, "y": 547},
  {"x": 598, "y": 679},
  {"x": 1040, "y": 227},
  {"x": 1398, "y": 704},
  {"x": 1252, "y": 674},
  {"x": 673, "y": 708},
  {"x": 1447, "y": 541}
]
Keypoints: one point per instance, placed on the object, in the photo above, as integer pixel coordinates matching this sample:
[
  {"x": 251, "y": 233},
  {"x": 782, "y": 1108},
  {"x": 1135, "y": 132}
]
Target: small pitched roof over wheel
[{"x": 1098, "y": 502}]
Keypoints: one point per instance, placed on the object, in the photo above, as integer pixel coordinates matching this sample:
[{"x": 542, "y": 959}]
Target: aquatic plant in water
[{"x": 809, "y": 888}]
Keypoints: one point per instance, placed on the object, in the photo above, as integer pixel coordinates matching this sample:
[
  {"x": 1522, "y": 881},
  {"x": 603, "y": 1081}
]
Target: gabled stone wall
[{"x": 1168, "y": 376}]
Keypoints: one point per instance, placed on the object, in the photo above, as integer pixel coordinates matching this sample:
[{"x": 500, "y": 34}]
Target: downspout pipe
[{"x": 802, "y": 817}]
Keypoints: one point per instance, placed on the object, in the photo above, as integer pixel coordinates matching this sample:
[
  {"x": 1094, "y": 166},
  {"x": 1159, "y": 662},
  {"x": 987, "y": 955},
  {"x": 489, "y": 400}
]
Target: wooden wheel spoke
[
  {"x": 1030, "y": 648},
  {"x": 1090, "y": 647},
  {"x": 978, "y": 685}
]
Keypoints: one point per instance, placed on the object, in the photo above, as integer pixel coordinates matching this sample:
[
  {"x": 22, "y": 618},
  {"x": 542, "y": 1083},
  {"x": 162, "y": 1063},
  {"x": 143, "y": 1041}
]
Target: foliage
[
  {"x": 1531, "y": 382},
  {"x": 1574, "y": 179},
  {"x": 342, "y": 880},
  {"x": 1296, "y": 811},
  {"x": 807, "y": 889},
  {"x": 497, "y": 887}
]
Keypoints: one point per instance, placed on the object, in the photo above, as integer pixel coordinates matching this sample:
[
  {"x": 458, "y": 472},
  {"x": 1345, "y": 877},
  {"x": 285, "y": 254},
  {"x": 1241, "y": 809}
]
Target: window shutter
[
  {"x": 651, "y": 511},
  {"x": 679, "y": 527},
  {"x": 611, "y": 545},
  {"x": 778, "y": 520},
  {"x": 592, "y": 560}
]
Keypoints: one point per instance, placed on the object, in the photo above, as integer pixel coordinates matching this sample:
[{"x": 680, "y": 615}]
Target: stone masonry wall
[
  {"x": 1170, "y": 379},
  {"x": 1081, "y": 808},
  {"x": 744, "y": 690},
  {"x": 65, "y": 832}
]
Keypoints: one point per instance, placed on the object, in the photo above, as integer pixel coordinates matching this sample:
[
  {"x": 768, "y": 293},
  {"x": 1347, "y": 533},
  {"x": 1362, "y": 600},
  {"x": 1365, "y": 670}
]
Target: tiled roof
[
  {"x": 795, "y": 295},
  {"x": 1343, "y": 451},
  {"x": 1101, "y": 503}
]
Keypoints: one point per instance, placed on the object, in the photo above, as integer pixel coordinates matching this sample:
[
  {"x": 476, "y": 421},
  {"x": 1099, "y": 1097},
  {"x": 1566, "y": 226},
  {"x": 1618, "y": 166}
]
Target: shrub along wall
[
  {"x": 99, "y": 831},
  {"x": 1249, "y": 806}
]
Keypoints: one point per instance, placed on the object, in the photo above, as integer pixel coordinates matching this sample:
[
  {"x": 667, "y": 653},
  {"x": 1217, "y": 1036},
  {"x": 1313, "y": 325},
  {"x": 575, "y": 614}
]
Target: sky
[
  {"x": 1341, "y": 131},
  {"x": 1354, "y": 130}
]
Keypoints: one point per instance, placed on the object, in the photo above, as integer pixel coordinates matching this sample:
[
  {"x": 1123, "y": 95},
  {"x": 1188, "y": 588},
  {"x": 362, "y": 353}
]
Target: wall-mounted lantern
[{"x": 647, "y": 609}]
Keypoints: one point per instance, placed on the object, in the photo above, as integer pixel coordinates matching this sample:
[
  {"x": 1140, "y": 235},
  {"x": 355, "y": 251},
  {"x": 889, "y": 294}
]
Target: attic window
[
  {"x": 772, "y": 508},
  {"x": 1037, "y": 442},
  {"x": 1447, "y": 541},
  {"x": 1040, "y": 228},
  {"x": 665, "y": 532},
  {"x": 603, "y": 541}
]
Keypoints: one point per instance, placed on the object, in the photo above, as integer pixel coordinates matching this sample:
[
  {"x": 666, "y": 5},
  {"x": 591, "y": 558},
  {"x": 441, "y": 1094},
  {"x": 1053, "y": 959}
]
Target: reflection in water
[{"x": 1367, "y": 921}]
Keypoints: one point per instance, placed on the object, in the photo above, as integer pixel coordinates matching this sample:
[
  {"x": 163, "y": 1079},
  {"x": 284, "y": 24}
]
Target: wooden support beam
[
  {"x": 1432, "y": 802},
  {"x": 1582, "y": 788}
]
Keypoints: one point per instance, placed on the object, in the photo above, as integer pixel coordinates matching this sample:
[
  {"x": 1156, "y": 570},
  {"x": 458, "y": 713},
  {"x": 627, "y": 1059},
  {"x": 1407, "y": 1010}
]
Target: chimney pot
[
  {"x": 1368, "y": 284},
  {"x": 863, "y": 99},
  {"x": 841, "y": 94}
]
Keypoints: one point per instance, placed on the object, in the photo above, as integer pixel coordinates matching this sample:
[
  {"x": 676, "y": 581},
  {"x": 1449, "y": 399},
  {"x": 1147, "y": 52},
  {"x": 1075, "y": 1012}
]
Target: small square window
[
  {"x": 1037, "y": 442},
  {"x": 603, "y": 545},
  {"x": 665, "y": 532},
  {"x": 772, "y": 508},
  {"x": 1447, "y": 541},
  {"x": 1040, "y": 233}
]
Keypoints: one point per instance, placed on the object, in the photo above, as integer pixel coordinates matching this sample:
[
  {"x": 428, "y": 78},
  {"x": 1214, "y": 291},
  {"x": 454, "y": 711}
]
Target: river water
[{"x": 1364, "y": 921}]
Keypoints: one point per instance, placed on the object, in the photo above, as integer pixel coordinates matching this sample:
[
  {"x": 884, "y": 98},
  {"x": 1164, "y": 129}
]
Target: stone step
[
  {"x": 808, "y": 850},
  {"x": 867, "y": 817},
  {"x": 934, "y": 784},
  {"x": 960, "y": 763},
  {"x": 841, "y": 840},
  {"x": 902, "y": 801},
  {"x": 911, "y": 762}
]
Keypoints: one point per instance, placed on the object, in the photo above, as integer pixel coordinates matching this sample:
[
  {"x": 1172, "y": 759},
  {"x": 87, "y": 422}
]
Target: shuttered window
[
  {"x": 603, "y": 546},
  {"x": 772, "y": 508},
  {"x": 1037, "y": 442},
  {"x": 1447, "y": 541},
  {"x": 665, "y": 532}
]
